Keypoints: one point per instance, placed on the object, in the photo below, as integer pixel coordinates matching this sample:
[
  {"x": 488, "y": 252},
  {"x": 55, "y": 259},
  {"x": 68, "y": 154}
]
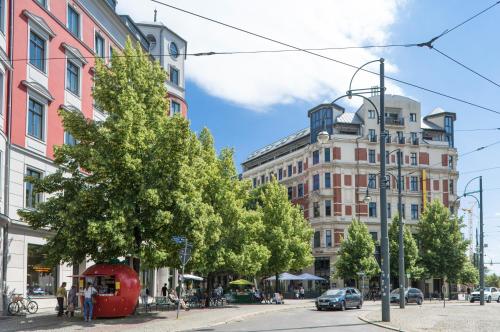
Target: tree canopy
[
  {"x": 132, "y": 181},
  {"x": 469, "y": 274},
  {"x": 357, "y": 253},
  {"x": 410, "y": 251},
  {"x": 442, "y": 244}
]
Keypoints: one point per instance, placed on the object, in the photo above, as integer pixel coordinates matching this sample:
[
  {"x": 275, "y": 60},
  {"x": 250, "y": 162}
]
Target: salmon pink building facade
[{"x": 47, "y": 55}]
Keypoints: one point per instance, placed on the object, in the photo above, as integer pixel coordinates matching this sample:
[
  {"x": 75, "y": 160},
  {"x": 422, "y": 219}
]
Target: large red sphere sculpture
[{"x": 127, "y": 287}]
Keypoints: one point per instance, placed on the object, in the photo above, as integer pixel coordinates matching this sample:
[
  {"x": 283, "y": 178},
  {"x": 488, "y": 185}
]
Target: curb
[
  {"x": 242, "y": 317},
  {"x": 388, "y": 327}
]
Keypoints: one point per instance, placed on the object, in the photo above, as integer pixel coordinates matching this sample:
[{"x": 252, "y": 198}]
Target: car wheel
[
  {"x": 498, "y": 299},
  {"x": 472, "y": 301},
  {"x": 489, "y": 299},
  {"x": 319, "y": 309},
  {"x": 419, "y": 301},
  {"x": 359, "y": 305},
  {"x": 406, "y": 300},
  {"x": 342, "y": 306}
]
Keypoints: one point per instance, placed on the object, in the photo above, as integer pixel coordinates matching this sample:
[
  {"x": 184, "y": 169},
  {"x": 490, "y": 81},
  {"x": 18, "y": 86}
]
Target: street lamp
[{"x": 384, "y": 237}]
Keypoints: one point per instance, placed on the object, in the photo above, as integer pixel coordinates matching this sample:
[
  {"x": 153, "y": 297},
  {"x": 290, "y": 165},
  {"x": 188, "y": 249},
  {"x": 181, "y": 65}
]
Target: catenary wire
[
  {"x": 466, "y": 67},
  {"x": 329, "y": 58},
  {"x": 478, "y": 129}
]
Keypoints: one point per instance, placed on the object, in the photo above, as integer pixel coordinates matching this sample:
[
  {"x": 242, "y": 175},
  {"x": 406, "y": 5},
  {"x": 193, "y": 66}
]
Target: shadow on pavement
[{"x": 307, "y": 328}]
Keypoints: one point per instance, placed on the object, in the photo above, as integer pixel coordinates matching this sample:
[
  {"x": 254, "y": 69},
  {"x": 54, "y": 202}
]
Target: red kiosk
[{"x": 117, "y": 286}]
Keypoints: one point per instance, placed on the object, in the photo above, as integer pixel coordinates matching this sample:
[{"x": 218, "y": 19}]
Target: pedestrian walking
[
  {"x": 72, "y": 301},
  {"x": 302, "y": 292},
  {"x": 89, "y": 297},
  {"x": 468, "y": 294},
  {"x": 164, "y": 290},
  {"x": 61, "y": 296}
]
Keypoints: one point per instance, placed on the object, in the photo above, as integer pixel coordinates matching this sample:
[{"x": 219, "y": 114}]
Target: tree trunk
[{"x": 276, "y": 287}]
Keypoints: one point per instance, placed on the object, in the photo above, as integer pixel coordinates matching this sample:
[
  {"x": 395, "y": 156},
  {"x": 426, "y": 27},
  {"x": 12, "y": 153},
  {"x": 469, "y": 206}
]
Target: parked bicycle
[{"x": 19, "y": 303}]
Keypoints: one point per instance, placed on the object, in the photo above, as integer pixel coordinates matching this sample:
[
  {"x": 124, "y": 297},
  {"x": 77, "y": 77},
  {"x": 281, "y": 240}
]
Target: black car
[
  {"x": 340, "y": 299},
  {"x": 412, "y": 295}
]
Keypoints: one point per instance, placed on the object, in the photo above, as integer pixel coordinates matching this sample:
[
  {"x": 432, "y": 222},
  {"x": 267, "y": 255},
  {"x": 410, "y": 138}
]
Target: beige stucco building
[{"x": 330, "y": 181}]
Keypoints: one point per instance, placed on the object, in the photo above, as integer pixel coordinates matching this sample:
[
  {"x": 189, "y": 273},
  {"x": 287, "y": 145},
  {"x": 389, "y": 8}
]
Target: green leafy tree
[
  {"x": 357, "y": 253},
  {"x": 238, "y": 230},
  {"x": 286, "y": 233},
  {"x": 469, "y": 274},
  {"x": 132, "y": 181},
  {"x": 410, "y": 251},
  {"x": 443, "y": 248},
  {"x": 492, "y": 280}
]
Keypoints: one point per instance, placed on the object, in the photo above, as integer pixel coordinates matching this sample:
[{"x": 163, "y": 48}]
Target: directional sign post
[{"x": 184, "y": 256}]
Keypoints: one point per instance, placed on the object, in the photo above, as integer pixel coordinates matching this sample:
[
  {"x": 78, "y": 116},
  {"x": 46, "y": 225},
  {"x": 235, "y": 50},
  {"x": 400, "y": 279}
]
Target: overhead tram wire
[
  {"x": 329, "y": 58},
  {"x": 478, "y": 129}
]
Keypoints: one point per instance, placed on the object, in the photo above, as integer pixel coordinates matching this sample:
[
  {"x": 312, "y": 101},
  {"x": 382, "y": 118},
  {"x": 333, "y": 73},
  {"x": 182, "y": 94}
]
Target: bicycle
[{"x": 19, "y": 303}]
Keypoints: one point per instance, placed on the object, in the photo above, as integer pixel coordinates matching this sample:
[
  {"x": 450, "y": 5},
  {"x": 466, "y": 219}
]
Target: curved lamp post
[{"x": 384, "y": 238}]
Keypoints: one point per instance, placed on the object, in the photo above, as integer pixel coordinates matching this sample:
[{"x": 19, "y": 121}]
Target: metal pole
[
  {"x": 384, "y": 243},
  {"x": 180, "y": 284},
  {"x": 481, "y": 243},
  {"x": 401, "y": 270}
]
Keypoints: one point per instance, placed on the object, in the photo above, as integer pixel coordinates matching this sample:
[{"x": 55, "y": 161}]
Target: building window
[
  {"x": 389, "y": 212},
  {"x": 299, "y": 167},
  {"x": 372, "y": 137},
  {"x": 328, "y": 238},
  {"x": 414, "y": 138},
  {"x": 402, "y": 183},
  {"x": 448, "y": 128},
  {"x": 338, "y": 237},
  {"x": 452, "y": 187},
  {"x": 174, "y": 75},
  {"x": 280, "y": 174},
  {"x": 328, "y": 182},
  {"x": 315, "y": 157},
  {"x": 372, "y": 181},
  {"x": 450, "y": 162},
  {"x": 73, "y": 78},
  {"x": 32, "y": 198},
  {"x": 371, "y": 114},
  {"x": 387, "y": 159},
  {"x": 2, "y": 84},
  {"x": 371, "y": 156},
  {"x": 413, "y": 117},
  {"x": 414, "y": 211},
  {"x": 254, "y": 182},
  {"x": 99, "y": 46},
  {"x": 374, "y": 236},
  {"x": 37, "y": 51},
  {"x": 35, "y": 119},
  {"x": 413, "y": 158},
  {"x": 69, "y": 139},
  {"x": 317, "y": 239},
  {"x": 73, "y": 21},
  {"x": 372, "y": 209},
  {"x": 42, "y": 2},
  {"x": 174, "y": 50},
  {"x": 41, "y": 277},
  {"x": 300, "y": 190},
  {"x": 403, "y": 213},
  {"x": 316, "y": 209},
  {"x": 327, "y": 155},
  {"x": 262, "y": 179},
  {"x": 413, "y": 183},
  {"x": 2, "y": 16},
  {"x": 388, "y": 181},
  {"x": 328, "y": 208},
  {"x": 176, "y": 107},
  {"x": 111, "y": 52},
  {"x": 316, "y": 182},
  {"x": 290, "y": 193}
]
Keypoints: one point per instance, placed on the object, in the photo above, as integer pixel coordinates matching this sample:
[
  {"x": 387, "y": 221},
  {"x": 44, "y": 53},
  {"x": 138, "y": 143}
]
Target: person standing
[
  {"x": 164, "y": 290},
  {"x": 302, "y": 292},
  {"x": 61, "y": 296},
  {"x": 88, "y": 305},
  {"x": 72, "y": 301}
]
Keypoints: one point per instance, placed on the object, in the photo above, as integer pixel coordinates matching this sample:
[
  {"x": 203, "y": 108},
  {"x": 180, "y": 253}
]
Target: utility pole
[
  {"x": 401, "y": 266},
  {"x": 481, "y": 242},
  {"x": 384, "y": 243}
]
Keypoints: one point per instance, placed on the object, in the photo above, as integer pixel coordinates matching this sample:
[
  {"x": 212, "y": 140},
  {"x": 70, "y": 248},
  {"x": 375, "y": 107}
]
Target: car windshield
[
  {"x": 333, "y": 292},
  {"x": 486, "y": 289},
  {"x": 396, "y": 291}
]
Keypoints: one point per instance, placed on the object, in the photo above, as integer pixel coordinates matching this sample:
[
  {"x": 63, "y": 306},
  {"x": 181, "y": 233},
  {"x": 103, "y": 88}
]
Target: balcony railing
[
  {"x": 388, "y": 138},
  {"x": 414, "y": 141},
  {"x": 390, "y": 121},
  {"x": 372, "y": 138},
  {"x": 400, "y": 140}
]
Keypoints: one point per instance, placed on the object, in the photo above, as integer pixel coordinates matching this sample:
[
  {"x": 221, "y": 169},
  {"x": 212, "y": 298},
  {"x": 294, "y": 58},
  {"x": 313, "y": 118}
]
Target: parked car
[
  {"x": 340, "y": 299},
  {"x": 412, "y": 295},
  {"x": 490, "y": 294}
]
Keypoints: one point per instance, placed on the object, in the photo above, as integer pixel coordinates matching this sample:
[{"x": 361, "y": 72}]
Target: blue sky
[{"x": 237, "y": 122}]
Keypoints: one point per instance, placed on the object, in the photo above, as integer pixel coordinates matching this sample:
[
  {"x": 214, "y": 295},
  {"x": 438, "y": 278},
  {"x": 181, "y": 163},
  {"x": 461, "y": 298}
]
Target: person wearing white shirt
[{"x": 88, "y": 294}]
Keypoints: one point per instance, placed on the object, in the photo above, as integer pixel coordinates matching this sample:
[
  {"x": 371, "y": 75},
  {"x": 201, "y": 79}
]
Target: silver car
[{"x": 490, "y": 294}]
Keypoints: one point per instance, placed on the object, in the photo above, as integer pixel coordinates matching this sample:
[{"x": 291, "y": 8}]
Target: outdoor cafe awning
[
  {"x": 285, "y": 276},
  {"x": 241, "y": 282},
  {"x": 308, "y": 276},
  {"x": 191, "y": 277}
]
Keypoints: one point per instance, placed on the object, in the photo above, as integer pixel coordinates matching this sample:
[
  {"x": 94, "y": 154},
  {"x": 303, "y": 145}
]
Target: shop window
[{"x": 41, "y": 278}]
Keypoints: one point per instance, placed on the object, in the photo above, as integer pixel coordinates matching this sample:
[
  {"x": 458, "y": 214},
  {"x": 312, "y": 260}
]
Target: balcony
[
  {"x": 372, "y": 138},
  {"x": 414, "y": 141},
  {"x": 388, "y": 138},
  {"x": 400, "y": 140},
  {"x": 393, "y": 121}
]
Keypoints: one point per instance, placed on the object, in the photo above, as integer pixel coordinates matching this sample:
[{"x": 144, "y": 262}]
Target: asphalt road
[{"x": 298, "y": 320}]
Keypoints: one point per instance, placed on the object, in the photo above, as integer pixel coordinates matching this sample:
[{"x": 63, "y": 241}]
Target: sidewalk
[
  {"x": 457, "y": 316},
  {"x": 155, "y": 321}
]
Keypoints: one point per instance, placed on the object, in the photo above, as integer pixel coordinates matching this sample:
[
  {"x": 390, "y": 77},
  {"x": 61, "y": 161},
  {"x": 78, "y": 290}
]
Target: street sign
[{"x": 179, "y": 239}]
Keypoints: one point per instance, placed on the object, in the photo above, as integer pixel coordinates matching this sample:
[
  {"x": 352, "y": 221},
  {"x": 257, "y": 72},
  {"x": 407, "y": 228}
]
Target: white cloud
[{"x": 260, "y": 81}]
